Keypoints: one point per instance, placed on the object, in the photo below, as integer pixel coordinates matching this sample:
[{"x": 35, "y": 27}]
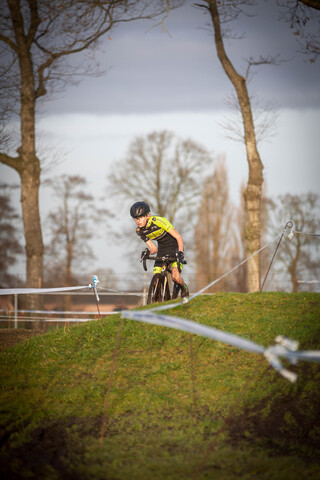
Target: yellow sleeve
[{"x": 162, "y": 222}]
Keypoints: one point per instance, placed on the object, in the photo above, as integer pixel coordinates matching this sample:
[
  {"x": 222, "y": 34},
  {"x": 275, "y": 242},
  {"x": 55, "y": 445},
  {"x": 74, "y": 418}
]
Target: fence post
[
  {"x": 145, "y": 289},
  {"x": 15, "y": 310}
]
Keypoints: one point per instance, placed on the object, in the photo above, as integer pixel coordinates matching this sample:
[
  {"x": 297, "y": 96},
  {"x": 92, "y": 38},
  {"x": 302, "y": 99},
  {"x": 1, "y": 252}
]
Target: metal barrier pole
[
  {"x": 15, "y": 310},
  {"x": 145, "y": 289}
]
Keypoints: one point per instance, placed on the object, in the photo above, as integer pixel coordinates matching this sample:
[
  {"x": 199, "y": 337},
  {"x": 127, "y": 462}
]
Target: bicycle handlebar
[{"x": 164, "y": 259}]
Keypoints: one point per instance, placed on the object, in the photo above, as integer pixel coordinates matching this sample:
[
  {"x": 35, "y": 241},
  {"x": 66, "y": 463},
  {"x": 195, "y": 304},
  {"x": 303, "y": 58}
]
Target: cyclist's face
[{"x": 141, "y": 221}]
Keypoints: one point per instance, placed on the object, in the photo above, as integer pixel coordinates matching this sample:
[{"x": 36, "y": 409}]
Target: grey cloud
[{"x": 154, "y": 72}]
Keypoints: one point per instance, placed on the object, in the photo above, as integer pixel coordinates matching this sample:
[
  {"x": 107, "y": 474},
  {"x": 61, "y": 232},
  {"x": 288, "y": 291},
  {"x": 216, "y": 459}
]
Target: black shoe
[{"x": 185, "y": 291}]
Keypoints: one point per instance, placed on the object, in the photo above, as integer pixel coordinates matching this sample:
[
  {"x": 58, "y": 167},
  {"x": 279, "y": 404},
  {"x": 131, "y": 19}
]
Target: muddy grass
[
  {"x": 273, "y": 432},
  {"x": 52, "y": 451},
  {"x": 285, "y": 426},
  {"x": 57, "y": 449},
  {"x": 10, "y": 337}
]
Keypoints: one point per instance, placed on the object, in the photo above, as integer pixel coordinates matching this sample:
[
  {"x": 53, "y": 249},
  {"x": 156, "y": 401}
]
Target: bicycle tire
[
  {"x": 167, "y": 295},
  {"x": 154, "y": 292},
  {"x": 156, "y": 289}
]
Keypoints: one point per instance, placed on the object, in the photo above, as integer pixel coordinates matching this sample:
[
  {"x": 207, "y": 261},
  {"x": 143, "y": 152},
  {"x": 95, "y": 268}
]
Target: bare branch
[
  {"x": 262, "y": 60},
  {"x": 312, "y": 3},
  {"x": 264, "y": 116},
  {"x": 172, "y": 168},
  {"x": 10, "y": 161},
  {"x": 37, "y": 37},
  {"x": 304, "y": 20},
  {"x": 9, "y": 42},
  {"x": 295, "y": 255}
]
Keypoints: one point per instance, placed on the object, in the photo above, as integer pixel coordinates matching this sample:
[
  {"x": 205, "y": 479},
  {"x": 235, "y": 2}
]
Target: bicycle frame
[
  {"x": 159, "y": 289},
  {"x": 166, "y": 260}
]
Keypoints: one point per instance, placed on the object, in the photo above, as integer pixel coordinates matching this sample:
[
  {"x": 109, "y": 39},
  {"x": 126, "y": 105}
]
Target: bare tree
[
  {"x": 264, "y": 119},
  {"x": 165, "y": 171},
  {"x": 214, "y": 233},
  {"x": 222, "y": 13},
  {"x": 238, "y": 248},
  {"x": 10, "y": 241},
  {"x": 303, "y": 17},
  {"x": 298, "y": 256},
  {"x": 37, "y": 37},
  {"x": 70, "y": 227}
]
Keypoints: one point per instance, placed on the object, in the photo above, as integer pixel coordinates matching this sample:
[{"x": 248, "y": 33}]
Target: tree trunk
[
  {"x": 27, "y": 164},
  {"x": 253, "y": 191},
  {"x": 294, "y": 281},
  {"x": 68, "y": 275},
  {"x": 31, "y": 220}
]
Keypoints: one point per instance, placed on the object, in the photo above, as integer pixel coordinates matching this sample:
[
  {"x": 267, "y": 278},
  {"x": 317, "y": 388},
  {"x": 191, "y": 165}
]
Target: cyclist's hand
[
  {"x": 145, "y": 254},
  {"x": 180, "y": 256}
]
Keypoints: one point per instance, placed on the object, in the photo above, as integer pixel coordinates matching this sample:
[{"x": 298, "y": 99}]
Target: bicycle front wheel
[
  {"x": 159, "y": 289},
  {"x": 154, "y": 293}
]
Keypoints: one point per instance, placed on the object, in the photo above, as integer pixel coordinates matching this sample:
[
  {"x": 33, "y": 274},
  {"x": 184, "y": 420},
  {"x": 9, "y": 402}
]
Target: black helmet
[{"x": 139, "y": 209}]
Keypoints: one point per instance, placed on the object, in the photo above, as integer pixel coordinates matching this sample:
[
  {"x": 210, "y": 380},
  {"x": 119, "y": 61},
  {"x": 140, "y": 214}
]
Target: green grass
[{"x": 169, "y": 405}]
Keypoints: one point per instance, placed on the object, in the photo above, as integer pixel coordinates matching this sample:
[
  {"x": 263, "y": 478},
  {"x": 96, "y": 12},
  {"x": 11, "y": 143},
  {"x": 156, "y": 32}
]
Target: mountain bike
[{"x": 159, "y": 289}]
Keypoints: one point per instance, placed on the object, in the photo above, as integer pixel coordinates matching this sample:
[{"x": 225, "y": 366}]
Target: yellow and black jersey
[{"x": 157, "y": 229}]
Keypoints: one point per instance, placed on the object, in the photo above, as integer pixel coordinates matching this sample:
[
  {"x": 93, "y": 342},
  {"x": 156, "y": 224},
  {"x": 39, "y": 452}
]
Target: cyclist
[{"x": 169, "y": 240}]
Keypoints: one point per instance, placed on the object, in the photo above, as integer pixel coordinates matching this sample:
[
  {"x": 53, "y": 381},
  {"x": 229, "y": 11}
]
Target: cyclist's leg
[
  {"x": 176, "y": 277},
  {"x": 176, "y": 290}
]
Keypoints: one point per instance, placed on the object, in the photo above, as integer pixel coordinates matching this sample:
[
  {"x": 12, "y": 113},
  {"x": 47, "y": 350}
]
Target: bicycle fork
[{"x": 164, "y": 287}]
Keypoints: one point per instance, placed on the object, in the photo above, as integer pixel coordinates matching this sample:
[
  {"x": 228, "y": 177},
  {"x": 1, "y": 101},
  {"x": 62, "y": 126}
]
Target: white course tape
[
  {"x": 272, "y": 354},
  {"x": 186, "y": 300},
  {"x": 193, "y": 327},
  {"x": 119, "y": 292},
  {"x": 232, "y": 269},
  {"x": 19, "y": 291}
]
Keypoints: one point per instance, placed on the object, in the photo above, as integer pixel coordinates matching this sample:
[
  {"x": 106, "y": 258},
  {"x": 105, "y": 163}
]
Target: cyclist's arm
[
  {"x": 152, "y": 247},
  {"x": 178, "y": 237}
]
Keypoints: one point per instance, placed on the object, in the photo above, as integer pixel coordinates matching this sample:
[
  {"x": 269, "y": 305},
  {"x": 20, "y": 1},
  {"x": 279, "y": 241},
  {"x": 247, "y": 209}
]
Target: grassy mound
[{"x": 117, "y": 399}]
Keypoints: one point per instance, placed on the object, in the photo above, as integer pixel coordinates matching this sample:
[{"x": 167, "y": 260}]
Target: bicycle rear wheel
[
  {"x": 176, "y": 292},
  {"x": 159, "y": 289}
]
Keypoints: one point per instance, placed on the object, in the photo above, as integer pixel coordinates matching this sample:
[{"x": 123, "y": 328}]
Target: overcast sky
[
  {"x": 150, "y": 71},
  {"x": 172, "y": 80}
]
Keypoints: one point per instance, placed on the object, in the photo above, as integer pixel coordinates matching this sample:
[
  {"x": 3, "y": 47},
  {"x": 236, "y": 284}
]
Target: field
[{"x": 116, "y": 399}]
